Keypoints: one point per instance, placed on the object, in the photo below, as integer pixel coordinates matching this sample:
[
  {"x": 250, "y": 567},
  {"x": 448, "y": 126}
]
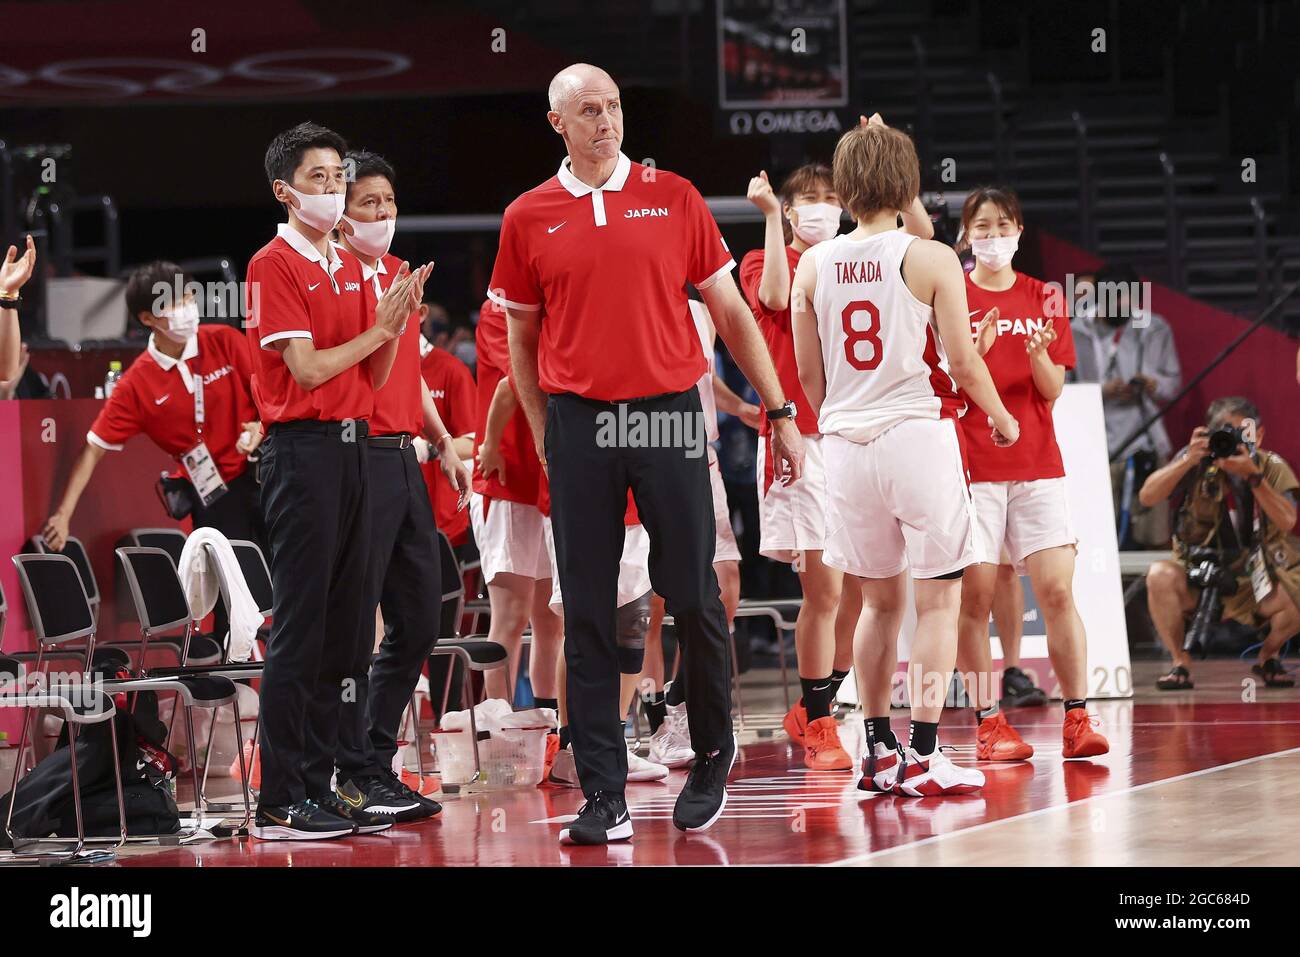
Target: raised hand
[
  {"x": 16, "y": 270},
  {"x": 761, "y": 194},
  {"x": 986, "y": 333}
]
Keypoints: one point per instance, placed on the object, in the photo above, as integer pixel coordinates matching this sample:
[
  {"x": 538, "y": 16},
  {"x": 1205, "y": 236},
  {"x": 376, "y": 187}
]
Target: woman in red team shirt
[{"x": 1019, "y": 492}]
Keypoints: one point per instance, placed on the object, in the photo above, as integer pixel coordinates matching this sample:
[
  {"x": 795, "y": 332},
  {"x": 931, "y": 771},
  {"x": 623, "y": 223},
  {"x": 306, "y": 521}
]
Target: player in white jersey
[
  {"x": 670, "y": 742},
  {"x": 880, "y": 333}
]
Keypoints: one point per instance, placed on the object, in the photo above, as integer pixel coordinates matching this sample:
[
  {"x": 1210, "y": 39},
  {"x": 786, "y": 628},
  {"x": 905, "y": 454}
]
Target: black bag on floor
[
  {"x": 150, "y": 809},
  {"x": 43, "y": 805}
]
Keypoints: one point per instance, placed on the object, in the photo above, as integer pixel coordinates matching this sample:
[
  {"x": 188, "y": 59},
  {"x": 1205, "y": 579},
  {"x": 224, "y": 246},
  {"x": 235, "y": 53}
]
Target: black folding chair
[
  {"x": 60, "y": 613},
  {"x": 474, "y": 653},
  {"x": 161, "y": 607},
  {"x": 80, "y": 705},
  {"x": 170, "y": 540}
]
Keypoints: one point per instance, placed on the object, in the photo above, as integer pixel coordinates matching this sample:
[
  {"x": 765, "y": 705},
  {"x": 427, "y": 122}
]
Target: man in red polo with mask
[
  {"x": 320, "y": 348},
  {"x": 592, "y": 269}
]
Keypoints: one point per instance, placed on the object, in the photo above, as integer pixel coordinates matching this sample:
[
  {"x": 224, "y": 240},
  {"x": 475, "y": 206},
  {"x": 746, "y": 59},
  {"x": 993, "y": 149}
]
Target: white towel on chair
[{"x": 205, "y": 548}]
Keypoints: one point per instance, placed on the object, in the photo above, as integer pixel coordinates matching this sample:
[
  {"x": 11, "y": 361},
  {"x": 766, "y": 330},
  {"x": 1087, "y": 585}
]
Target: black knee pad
[{"x": 633, "y": 623}]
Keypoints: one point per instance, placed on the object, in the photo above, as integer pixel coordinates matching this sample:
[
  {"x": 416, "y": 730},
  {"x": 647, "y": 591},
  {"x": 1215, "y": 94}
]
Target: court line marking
[{"x": 859, "y": 859}]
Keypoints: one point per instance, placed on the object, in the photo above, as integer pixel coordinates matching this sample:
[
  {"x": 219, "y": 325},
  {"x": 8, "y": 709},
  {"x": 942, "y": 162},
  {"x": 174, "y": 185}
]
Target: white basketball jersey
[
  {"x": 880, "y": 346},
  {"x": 704, "y": 326}
]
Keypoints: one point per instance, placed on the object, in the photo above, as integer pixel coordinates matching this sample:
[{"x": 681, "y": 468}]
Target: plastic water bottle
[{"x": 114, "y": 373}]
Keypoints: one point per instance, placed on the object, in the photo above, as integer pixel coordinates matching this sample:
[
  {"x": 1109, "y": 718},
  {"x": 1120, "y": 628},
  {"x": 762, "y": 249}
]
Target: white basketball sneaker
[
  {"x": 671, "y": 744},
  {"x": 880, "y": 768},
  {"x": 639, "y": 769},
  {"x": 931, "y": 775},
  {"x": 563, "y": 771}
]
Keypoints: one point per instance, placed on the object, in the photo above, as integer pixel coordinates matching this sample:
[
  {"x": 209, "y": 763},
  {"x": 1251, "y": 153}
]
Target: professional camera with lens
[
  {"x": 1225, "y": 439},
  {"x": 1208, "y": 569}
]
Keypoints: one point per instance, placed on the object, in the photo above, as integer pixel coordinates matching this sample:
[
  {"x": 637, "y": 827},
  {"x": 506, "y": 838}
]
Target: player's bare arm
[
  {"x": 500, "y": 410},
  {"x": 735, "y": 324},
  {"x": 774, "y": 284},
  {"x": 934, "y": 275},
  {"x": 453, "y": 469},
  {"x": 14, "y": 273},
  {"x": 727, "y": 401},
  {"x": 917, "y": 221},
  {"x": 807, "y": 343},
  {"x": 1049, "y": 376},
  {"x": 524, "y": 329}
]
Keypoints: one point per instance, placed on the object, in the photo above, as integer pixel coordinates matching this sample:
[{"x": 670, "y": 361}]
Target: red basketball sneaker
[
  {"x": 795, "y": 721},
  {"x": 822, "y": 748},
  {"x": 1079, "y": 740},
  {"x": 879, "y": 769},
  {"x": 932, "y": 775},
  {"x": 996, "y": 740}
]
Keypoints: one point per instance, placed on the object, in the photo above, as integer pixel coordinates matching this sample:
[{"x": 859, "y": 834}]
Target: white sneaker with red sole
[
  {"x": 932, "y": 775},
  {"x": 880, "y": 769}
]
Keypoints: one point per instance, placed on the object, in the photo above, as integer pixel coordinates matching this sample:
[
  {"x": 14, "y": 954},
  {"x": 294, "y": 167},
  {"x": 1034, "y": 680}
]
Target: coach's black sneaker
[
  {"x": 351, "y": 802},
  {"x": 427, "y": 807},
  {"x": 1019, "y": 690},
  {"x": 705, "y": 794},
  {"x": 602, "y": 819},
  {"x": 304, "y": 821}
]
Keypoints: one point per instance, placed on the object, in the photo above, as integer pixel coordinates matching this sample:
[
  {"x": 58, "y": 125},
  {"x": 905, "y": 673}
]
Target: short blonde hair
[{"x": 875, "y": 168}]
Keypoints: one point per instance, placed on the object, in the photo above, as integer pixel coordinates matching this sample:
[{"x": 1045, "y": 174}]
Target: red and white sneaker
[
  {"x": 932, "y": 775},
  {"x": 795, "y": 722},
  {"x": 880, "y": 769},
  {"x": 996, "y": 740},
  {"x": 1078, "y": 740}
]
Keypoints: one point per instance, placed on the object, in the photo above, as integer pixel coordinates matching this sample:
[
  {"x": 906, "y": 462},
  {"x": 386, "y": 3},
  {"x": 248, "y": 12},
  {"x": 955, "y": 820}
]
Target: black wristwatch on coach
[{"x": 785, "y": 412}]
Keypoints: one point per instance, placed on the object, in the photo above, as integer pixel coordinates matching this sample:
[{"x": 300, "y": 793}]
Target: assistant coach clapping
[{"x": 592, "y": 270}]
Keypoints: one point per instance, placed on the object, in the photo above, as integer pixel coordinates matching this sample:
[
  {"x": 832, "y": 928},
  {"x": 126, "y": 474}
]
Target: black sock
[
  {"x": 655, "y": 710},
  {"x": 552, "y": 703},
  {"x": 565, "y": 737},
  {"x": 817, "y": 697},
  {"x": 675, "y": 693},
  {"x": 986, "y": 713},
  {"x": 837, "y": 679},
  {"x": 880, "y": 732},
  {"x": 925, "y": 737},
  {"x": 1072, "y": 703}
]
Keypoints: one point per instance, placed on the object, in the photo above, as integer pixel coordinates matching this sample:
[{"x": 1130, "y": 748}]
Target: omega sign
[
  {"x": 767, "y": 122},
  {"x": 275, "y": 73}
]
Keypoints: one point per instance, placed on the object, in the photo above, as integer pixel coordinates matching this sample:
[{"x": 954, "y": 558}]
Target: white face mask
[
  {"x": 321, "y": 211},
  {"x": 371, "y": 239},
  {"x": 995, "y": 252},
  {"x": 182, "y": 322},
  {"x": 818, "y": 222}
]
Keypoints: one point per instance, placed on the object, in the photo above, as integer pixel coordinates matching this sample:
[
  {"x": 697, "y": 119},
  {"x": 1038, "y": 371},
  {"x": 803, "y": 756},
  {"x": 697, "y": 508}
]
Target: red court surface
[{"x": 778, "y": 813}]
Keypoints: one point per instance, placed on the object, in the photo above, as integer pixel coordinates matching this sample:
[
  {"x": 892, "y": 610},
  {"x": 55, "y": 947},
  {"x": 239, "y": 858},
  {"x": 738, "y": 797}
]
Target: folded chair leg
[
  {"x": 243, "y": 771},
  {"x": 735, "y": 678},
  {"x": 18, "y": 771},
  {"x": 194, "y": 764},
  {"x": 415, "y": 737},
  {"x": 76, "y": 788},
  {"x": 117, "y": 783}
]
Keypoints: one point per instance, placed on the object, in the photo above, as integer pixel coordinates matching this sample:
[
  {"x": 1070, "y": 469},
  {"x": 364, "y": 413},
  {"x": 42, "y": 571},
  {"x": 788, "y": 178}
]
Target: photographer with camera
[
  {"x": 1235, "y": 556},
  {"x": 1128, "y": 349}
]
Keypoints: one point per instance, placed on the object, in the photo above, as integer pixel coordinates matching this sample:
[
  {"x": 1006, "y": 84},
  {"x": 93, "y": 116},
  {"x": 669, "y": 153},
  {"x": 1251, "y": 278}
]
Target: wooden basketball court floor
[{"x": 1201, "y": 777}]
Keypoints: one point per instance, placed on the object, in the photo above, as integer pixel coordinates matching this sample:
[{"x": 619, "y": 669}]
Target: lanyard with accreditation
[{"x": 198, "y": 462}]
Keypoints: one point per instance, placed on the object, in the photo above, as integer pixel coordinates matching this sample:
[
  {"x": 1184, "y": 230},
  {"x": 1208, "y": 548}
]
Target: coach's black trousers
[
  {"x": 314, "y": 497},
  {"x": 589, "y": 480},
  {"x": 405, "y": 579},
  {"x": 238, "y": 516}
]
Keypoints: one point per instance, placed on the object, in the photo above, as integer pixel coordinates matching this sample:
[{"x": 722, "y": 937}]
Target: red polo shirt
[
  {"x": 1021, "y": 310},
  {"x": 452, "y": 388},
  {"x": 294, "y": 293},
  {"x": 156, "y": 397},
  {"x": 398, "y": 403},
  {"x": 775, "y": 326},
  {"x": 523, "y": 470},
  {"x": 608, "y": 269}
]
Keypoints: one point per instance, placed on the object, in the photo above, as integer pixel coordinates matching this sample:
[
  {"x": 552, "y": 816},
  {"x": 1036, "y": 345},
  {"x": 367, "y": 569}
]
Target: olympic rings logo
[{"x": 277, "y": 73}]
